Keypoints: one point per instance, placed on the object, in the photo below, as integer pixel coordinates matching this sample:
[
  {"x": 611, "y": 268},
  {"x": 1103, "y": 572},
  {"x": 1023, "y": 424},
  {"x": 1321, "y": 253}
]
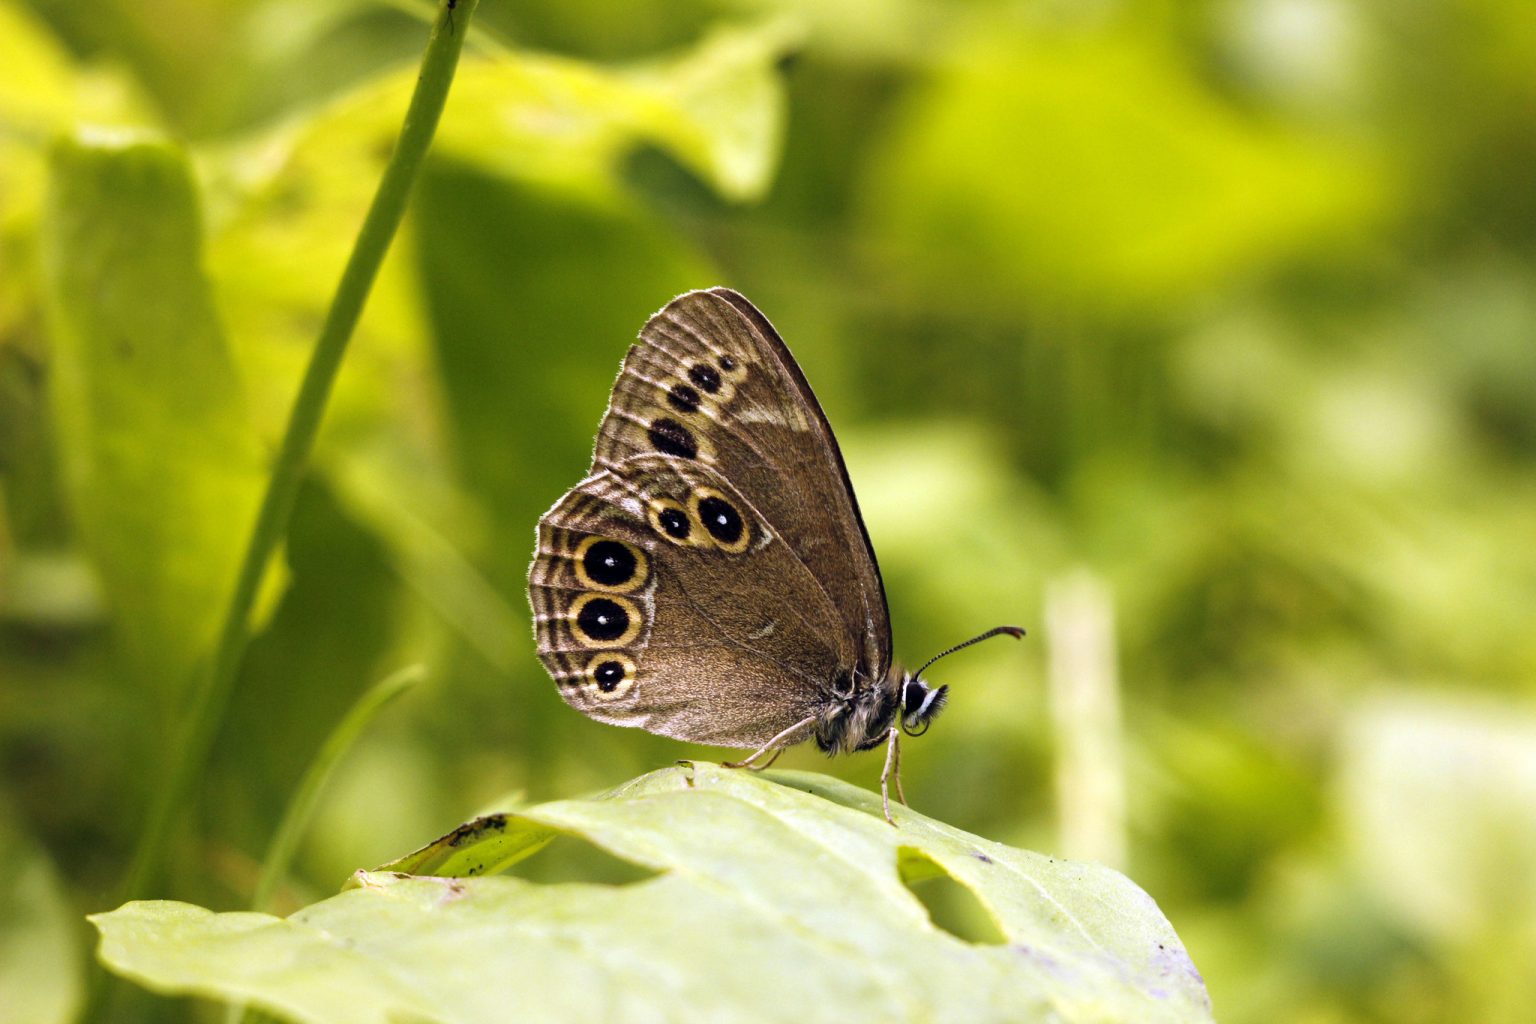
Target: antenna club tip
[{"x": 1017, "y": 632}]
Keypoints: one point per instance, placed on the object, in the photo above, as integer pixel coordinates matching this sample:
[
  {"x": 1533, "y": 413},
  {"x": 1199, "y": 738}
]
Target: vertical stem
[
  {"x": 306, "y": 798},
  {"x": 1085, "y": 709},
  {"x": 212, "y": 690}
]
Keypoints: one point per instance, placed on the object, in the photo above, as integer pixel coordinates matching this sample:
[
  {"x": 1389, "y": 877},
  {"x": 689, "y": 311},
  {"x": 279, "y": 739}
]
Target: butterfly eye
[
  {"x": 604, "y": 564},
  {"x": 612, "y": 675},
  {"x": 602, "y": 621},
  {"x": 720, "y": 519}
]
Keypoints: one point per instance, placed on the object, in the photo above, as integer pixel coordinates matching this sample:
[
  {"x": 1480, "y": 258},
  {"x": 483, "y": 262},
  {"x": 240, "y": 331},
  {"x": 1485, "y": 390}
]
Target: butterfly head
[{"x": 921, "y": 703}]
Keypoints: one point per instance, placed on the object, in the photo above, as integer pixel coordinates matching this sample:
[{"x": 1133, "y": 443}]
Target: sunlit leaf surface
[
  {"x": 161, "y": 462},
  {"x": 782, "y": 898}
]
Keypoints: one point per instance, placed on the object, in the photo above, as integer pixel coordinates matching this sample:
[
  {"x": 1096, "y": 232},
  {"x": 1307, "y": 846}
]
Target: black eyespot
[
  {"x": 675, "y": 522},
  {"x": 727, "y": 363},
  {"x": 704, "y": 376},
  {"x": 721, "y": 519},
  {"x": 608, "y": 675},
  {"x": 609, "y": 563},
  {"x": 672, "y": 438},
  {"x": 683, "y": 398},
  {"x": 602, "y": 619}
]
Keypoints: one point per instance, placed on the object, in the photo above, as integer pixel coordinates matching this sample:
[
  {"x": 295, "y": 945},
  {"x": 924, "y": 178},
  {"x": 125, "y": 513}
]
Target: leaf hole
[
  {"x": 952, "y": 906},
  {"x": 571, "y": 859}
]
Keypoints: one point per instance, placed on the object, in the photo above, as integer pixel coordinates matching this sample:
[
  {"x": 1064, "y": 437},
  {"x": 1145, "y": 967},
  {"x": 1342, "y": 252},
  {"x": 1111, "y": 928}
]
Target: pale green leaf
[
  {"x": 783, "y": 898},
  {"x": 162, "y": 465}
]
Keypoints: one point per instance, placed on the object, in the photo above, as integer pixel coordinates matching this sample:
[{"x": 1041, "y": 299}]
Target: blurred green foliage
[{"x": 1231, "y": 302}]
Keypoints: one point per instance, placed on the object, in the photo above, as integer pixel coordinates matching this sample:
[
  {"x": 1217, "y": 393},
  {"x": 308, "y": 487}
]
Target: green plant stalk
[
  {"x": 301, "y": 807},
  {"x": 212, "y": 694}
]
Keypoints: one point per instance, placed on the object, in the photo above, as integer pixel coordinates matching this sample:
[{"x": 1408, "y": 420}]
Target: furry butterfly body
[{"x": 711, "y": 578}]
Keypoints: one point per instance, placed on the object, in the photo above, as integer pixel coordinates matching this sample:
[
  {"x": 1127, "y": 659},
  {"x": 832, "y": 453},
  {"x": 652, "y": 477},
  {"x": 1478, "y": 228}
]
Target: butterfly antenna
[{"x": 1013, "y": 631}]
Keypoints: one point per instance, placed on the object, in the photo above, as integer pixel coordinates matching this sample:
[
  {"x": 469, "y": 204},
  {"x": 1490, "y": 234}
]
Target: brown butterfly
[{"x": 711, "y": 579}]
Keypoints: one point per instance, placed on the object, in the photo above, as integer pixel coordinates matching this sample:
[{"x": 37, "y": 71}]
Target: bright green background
[{"x": 1230, "y": 304}]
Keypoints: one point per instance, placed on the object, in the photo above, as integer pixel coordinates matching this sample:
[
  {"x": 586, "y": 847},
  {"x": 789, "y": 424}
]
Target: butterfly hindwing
[{"x": 665, "y": 600}]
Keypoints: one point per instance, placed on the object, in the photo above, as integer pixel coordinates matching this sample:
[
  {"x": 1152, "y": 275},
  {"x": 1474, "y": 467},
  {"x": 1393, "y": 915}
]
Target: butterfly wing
[
  {"x": 712, "y": 384},
  {"x": 664, "y": 599}
]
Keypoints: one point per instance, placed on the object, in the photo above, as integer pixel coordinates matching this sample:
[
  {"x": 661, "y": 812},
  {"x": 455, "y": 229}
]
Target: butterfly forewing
[{"x": 711, "y": 384}]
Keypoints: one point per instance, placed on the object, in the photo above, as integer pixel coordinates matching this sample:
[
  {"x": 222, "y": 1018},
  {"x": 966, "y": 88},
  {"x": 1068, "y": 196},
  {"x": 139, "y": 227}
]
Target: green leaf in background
[
  {"x": 40, "y": 94},
  {"x": 1097, "y": 170},
  {"x": 285, "y": 196},
  {"x": 161, "y": 463},
  {"x": 776, "y": 899}
]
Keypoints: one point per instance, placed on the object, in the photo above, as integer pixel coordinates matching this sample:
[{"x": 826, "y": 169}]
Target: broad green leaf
[
  {"x": 719, "y": 109},
  {"x": 1099, "y": 171},
  {"x": 776, "y": 899},
  {"x": 161, "y": 463},
  {"x": 290, "y": 200},
  {"x": 40, "y": 976}
]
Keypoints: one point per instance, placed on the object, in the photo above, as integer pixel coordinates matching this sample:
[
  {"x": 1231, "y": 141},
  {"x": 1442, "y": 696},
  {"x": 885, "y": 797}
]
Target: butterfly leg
[
  {"x": 892, "y": 767},
  {"x": 766, "y": 764},
  {"x": 746, "y": 762},
  {"x": 777, "y": 745}
]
